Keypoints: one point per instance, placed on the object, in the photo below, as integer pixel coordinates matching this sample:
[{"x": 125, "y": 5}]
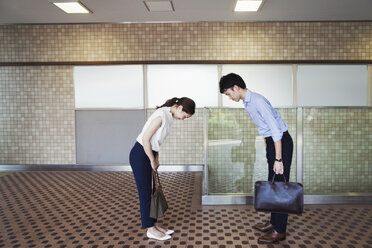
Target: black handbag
[
  {"x": 279, "y": 197},
  {"x": 158, "y": 204}
]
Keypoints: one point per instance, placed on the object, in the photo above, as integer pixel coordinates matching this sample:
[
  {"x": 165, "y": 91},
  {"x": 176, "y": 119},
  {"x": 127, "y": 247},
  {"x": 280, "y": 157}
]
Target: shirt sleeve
[{"x": 268, "y": 115}]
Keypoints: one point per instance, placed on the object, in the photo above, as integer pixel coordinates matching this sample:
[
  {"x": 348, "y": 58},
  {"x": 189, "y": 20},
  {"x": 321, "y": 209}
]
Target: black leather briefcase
[{"x": 279, "y": 197}]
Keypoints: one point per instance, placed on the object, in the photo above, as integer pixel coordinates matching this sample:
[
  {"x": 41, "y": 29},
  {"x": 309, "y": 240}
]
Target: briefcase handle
[{"x": 285, "y": 179}]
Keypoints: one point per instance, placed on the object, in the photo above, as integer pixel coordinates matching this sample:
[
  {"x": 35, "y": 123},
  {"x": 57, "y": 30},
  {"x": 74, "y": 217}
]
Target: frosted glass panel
[
  {"x": 332, "y": 85},
  {"x": 198, "y": 82},
  {"x": 274, "y": 82},
  {"x": 108, "y": 86}
]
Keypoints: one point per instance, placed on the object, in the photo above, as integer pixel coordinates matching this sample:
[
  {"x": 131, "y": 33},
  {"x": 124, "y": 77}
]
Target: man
[{"x": 278, "y": 142}]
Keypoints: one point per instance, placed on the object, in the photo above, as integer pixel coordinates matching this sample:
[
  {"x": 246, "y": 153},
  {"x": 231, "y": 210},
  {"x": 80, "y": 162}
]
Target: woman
[{"x": 144, "y": 157}]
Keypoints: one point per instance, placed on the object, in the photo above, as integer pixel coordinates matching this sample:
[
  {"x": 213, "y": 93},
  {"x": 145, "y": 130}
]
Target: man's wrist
[{"x": 278, "y": 159}]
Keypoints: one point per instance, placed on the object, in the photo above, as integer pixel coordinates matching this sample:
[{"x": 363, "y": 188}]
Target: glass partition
[
  {"x": 236, "y": 153},
  {"x": 337, "y": 150}
]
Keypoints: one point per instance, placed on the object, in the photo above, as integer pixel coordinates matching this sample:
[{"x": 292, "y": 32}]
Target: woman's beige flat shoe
[
  {"x": 169, "y": 232},
  {"x": 151, "y": 236}
]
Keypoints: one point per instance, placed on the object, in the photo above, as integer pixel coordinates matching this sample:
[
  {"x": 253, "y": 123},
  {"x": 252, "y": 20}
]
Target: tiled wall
[
  {"x": 236, "y": 152},
  {"x": 186, "y": 41},
  {"x": 337, "y": 147},
  {"x": 37, "y": 122},
  {"x": 37, "y": 103},
  {"x": 184, "y": 144}
]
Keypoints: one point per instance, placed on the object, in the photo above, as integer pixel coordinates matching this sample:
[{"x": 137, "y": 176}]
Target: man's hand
[{"x": 278, "y": 167}]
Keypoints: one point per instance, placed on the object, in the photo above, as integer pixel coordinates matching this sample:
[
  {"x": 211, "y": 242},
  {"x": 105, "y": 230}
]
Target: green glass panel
[
  {"x": 236, "y": 152},
  {"x": 337, "y": 150}
]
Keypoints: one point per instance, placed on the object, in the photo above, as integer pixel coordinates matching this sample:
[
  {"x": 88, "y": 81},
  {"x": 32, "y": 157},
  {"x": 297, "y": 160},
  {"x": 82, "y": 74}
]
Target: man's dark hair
[{"x": 229, "y": 80}]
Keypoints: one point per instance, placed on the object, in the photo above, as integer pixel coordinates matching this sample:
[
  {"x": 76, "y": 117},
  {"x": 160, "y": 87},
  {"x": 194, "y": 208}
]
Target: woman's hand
[
  {"x": 278, "y": 167},
  {"x": 155, "y": 163}
]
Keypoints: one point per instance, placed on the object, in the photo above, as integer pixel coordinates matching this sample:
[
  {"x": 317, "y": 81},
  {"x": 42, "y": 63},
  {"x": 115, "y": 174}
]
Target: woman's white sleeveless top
[{"x": 160, "y": 135}]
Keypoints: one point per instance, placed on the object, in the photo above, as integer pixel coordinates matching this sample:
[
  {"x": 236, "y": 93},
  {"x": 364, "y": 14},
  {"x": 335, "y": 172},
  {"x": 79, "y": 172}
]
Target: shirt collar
[{"x": 247, "y": 99}]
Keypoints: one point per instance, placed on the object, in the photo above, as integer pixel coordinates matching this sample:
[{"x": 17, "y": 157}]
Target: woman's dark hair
[
  {"x": 188, "y": 105},
  {"x": 228, "y": 81}
]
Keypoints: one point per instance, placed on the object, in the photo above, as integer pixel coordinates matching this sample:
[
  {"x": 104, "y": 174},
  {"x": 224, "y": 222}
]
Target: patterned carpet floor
[{"x": 101, "y": 209}]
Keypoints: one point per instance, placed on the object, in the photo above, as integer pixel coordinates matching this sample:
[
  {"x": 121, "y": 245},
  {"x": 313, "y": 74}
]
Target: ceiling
[{"x": 119, "y": 11}]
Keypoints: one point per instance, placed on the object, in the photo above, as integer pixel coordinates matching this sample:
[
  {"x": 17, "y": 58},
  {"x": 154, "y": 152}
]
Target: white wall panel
[
  {"x": 198, "y": 82},
  {"x": 274, "y": 82},
  {"x": 332, "y": 85},
  {"x": 117, "y": 86}
]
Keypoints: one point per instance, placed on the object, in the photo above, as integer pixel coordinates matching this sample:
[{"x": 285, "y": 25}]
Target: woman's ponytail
[
  {"x": 169, "y": 102},
  {"x": 187, "y": 104}
]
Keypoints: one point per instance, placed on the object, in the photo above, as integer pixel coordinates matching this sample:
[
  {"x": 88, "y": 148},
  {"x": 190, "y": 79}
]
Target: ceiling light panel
[
  {"x": 159, "y": 6},
  {"x": 248, "y": 5},
  {"x": 72, "y": 7}
]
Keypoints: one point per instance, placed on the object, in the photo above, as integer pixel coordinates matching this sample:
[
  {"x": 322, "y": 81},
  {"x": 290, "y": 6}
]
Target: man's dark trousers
[{"x": 279, "y": 221}]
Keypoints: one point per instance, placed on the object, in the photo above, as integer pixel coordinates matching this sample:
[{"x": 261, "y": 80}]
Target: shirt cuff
[{"x": 277, "y": 137}]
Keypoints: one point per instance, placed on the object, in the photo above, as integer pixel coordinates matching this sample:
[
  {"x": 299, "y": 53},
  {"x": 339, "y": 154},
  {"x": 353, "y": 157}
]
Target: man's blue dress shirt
[{"x": 265, "y": 117}]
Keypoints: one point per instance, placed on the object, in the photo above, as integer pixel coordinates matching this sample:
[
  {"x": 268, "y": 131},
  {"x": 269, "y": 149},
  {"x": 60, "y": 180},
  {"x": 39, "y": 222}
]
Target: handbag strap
[
  {"x": 285, "y": 179},
  {"x": 155, "y": 180},
  {"x": 157, "y": 177}
]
